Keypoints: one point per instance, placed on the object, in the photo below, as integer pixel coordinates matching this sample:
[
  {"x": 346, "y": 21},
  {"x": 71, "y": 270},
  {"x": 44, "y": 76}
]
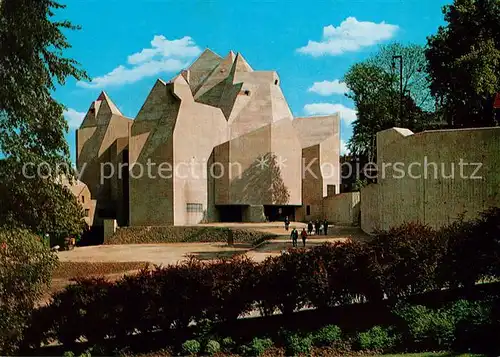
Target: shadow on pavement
[{"x": 217, "y": 255}]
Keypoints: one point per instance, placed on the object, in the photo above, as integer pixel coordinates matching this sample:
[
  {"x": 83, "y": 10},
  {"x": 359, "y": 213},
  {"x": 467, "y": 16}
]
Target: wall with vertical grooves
[{"x": 433, "y": 177}]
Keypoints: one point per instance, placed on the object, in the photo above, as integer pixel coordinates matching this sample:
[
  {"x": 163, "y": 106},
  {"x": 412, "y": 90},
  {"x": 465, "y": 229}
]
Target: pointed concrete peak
[
  {"x": 206, "y": 61},
  {"x": 161, "y": 81},
  {"x": 206, "y": 55},
  {"x": 231, "y": 55},
  {"x": 103, "y": 97},
  {"x": 209, "y": 52},
  {"x": 241, "y": 64}
]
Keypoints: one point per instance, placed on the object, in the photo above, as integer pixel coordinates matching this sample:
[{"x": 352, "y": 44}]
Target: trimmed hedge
[
  {"x": 175, "y": 234},
  {"x": 408, "y": 260}
]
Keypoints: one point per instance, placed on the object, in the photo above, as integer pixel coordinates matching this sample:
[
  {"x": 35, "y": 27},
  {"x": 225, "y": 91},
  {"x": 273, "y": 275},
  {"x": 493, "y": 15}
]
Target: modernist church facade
[{"x": 218, "y": 142}]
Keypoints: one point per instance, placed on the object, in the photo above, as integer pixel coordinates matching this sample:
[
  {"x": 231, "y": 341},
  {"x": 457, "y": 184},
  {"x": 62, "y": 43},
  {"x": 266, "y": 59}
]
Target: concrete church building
[{"x": 216, "y": 143}]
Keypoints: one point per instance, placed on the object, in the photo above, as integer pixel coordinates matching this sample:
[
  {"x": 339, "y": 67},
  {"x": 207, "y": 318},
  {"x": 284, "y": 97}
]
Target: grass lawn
[{"x": 430, "y": 354}]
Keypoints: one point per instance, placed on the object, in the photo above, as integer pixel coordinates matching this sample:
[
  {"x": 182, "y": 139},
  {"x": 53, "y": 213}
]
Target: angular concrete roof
[
  {"x": 103, "y": 97},
  {"x": 200, "y": 68},
  {"x": 102, "y": 108},
  {"x": 211, "y": 82},
  {"x": 314, "y": 130}
]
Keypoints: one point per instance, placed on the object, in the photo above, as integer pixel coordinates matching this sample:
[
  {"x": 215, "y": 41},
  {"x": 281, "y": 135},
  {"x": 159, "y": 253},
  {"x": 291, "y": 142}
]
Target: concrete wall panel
[{"x": 431, "y": 189}]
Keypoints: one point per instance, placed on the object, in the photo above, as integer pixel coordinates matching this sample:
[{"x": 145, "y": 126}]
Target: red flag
[{"x": 496, "y": 105}]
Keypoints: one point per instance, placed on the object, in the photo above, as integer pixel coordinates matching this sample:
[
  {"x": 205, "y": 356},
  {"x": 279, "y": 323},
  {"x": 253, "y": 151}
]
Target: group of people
[{"x": 318, "y": 226}]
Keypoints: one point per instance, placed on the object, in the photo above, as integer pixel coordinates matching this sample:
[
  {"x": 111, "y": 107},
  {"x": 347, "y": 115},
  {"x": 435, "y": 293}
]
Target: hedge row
[
  {"x": 407, "y": 260},
  {"x": 458, "y": 326},
  {"x": 172, "y": 234}
]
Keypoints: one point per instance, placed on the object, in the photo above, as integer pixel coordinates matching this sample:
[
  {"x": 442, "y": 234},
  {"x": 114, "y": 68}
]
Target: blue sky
[{"x": 126, "y": 45}]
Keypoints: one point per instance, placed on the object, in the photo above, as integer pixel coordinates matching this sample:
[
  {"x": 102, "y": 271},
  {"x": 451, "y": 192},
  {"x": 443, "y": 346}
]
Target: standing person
[
  {"x": 310, "y": 228},
  {"x": 316, "y": 227},
  {"x": 304, "y": 236},
  {"x": 295, "y": 236},
  {"x": 287, "y": 223},
  {"x": 325, "y": 225}
]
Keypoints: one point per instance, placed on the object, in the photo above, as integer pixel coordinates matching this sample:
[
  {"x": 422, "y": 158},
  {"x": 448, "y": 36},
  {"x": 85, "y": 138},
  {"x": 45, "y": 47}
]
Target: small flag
[{"x": 496, "y": 105}]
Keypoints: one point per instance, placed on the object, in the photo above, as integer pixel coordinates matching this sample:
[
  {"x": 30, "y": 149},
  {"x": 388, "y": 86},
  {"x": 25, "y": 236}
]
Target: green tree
[
  {"x": 374, "y": 86},
  {"x": 415, "y": 77},
  {"x": 32, "y": 126},
  {"x": 38, "y": 204},
  {"x": 26, "y": 267},
  {"x": 464, "y": 62}
]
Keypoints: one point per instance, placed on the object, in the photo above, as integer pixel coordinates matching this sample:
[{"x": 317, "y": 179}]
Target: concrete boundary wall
[
  {"x": 342, "y": 209},
  {"x": 441, "y": 175}
]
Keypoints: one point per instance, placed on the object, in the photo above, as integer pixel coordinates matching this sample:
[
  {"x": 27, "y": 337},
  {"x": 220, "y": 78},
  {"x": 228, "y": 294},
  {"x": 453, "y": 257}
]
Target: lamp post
[{"x": 400, "y": 58}]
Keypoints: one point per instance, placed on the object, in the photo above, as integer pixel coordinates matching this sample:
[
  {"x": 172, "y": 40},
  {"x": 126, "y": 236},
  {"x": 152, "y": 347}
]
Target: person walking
[
  {"x": 304, "y": 237},
  {"x": 317, "y": 226},
  {"x": 295, "y": 236},
  {"x": 287, "y": 223},
  {"x": 309, "y": 228},
  {"x": 325, "y": 227}
]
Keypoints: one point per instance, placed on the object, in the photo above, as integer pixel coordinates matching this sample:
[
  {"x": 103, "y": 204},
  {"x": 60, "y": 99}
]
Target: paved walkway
[{"x": 163, "y": 254}]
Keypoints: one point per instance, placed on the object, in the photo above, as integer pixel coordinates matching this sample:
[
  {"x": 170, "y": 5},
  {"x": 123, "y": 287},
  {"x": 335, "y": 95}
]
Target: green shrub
[
  {"x": 68, "y": 354},
  {"x": 327, "y": 336},
  {"x": 474, "y": 325},
  {"x": 26, "y": 267},
  {"x": 227, "y": 345},
  {"x": 439, "y": 328},
  {"x": 257, "y": 347},
  {"x": 136, "y": 235},
  {"x": 212, "y": 347},
  {"x": 426, "y": 328},
  {"x": 86, "y": 353},
  {"x": 191, "y": 347},
  {"x": 376, "y": 339},
  {"x": 298, "y": 345},
  {"x": 204, "y": 331}
]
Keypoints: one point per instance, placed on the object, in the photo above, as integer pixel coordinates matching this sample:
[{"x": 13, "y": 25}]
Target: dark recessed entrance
[
  {"x": 278, "y": 213},
  {"x": 230, "y": 213}
]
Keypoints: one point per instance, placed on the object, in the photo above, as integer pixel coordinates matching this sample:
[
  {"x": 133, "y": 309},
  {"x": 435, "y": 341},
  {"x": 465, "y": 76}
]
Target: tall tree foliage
[
  {"x": 374, "y": 86},
  {"x": 464, "y": 62},
  {"x": 32, "y": 126},
  {"x": 37, "y": 203}
]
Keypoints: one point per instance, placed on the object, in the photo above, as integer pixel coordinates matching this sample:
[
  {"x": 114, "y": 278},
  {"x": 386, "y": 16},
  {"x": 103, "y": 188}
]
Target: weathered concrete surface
[
  {"x": 432, "y": 177},
  {"x": 218, "y": 111},
  {"x": 342, "y": 209},
  {"x": 319, "y": 138},
  {"x": 97, "y": 150}
]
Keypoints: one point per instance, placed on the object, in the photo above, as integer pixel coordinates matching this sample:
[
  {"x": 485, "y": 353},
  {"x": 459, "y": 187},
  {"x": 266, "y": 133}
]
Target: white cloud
[
  {"x": 351, "y": 35},
  {"x": 348, "y": 115},
  {"x": 74, "y": 118},
  {"x": 164, "y": 56},
  {"x": 161, "y": 46},
  {"x": 327, "y": 88}
]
